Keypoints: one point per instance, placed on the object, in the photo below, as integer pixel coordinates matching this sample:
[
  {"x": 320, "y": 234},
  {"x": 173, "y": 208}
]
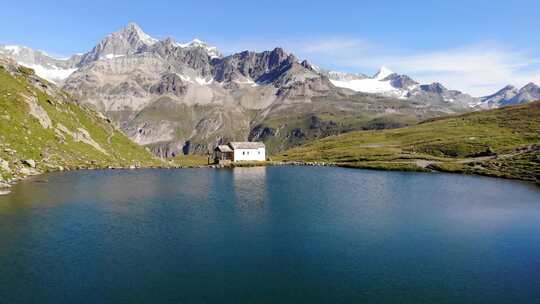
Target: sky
[{"x": 474, "y": 46}]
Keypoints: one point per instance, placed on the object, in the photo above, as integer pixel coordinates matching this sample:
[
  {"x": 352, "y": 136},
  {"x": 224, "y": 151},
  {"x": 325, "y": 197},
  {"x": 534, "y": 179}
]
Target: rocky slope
[{"x": 42, "y": 129}]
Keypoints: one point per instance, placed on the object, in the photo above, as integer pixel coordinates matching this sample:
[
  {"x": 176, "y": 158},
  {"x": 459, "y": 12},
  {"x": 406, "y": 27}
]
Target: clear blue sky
[{"x": 354, "y": 36}]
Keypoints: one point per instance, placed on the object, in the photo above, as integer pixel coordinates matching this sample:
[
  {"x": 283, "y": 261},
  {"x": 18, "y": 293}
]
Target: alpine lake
[{"x": 269, "y": 235}]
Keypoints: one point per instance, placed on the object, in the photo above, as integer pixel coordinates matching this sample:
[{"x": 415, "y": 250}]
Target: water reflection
[{"x": 250, "y": 192}]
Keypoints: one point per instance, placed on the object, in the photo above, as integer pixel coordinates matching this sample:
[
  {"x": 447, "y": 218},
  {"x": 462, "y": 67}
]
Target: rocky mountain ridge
[
  {"x": 132, "y": 39},
  {"x": 404, "y": 87},
  {"x": 511, "y": 95}
]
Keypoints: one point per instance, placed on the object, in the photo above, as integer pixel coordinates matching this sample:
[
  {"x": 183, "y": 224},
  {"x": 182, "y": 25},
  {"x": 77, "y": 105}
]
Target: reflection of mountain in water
[{"x": 250, "y": 191}]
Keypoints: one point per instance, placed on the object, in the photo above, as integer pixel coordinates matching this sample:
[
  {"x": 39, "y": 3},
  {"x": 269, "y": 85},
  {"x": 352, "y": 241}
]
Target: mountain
[
  {"x": 510, "y": 95},
  {"x": 177, "y": 98},
  {"x": 377, "y": 84},
  {"x": 436, "y": 93},
  {"x": 528, "y": 93},
  {"x": 127, "y": 41},
  {"x": 403, "y": 82},
  {"x": 45, "y": 66},
  {"x": 42, "y": 129},
  {"x": 387, "y": 83},
  {"x": 499, "y": 98},
  {"x": 132, "y": 40},
  {"x": 502, "y": 142},
  {"x": 383, "y": 73}
]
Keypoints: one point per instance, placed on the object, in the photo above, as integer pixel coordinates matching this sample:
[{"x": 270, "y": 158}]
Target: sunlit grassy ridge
[
  {"x": 72, "y": 137},
  {"x": 503, "y": 142}
]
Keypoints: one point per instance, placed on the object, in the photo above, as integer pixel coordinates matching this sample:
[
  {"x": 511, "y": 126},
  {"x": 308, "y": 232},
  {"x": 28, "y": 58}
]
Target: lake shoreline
[{"x": 5, "y": 186}]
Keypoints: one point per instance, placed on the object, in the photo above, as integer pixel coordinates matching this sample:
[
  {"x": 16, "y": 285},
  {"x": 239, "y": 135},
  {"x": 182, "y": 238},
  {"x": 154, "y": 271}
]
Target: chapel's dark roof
[{"x": 223, "y": 148}]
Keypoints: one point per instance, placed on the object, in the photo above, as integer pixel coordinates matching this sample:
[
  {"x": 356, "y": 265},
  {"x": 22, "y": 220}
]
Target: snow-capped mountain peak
[
  {"x": 211, "y": 50},
  {"x": 511, "y": 95},
  {"x": 131, "y": 45},
  {"x": 45, "y": 66},
  {"x": 383, "y": 73},
  {"x": 378, "y": 84},
  {"x": 508, "y": 88},
  {"x": 387, "y": 83},
  {"x": 13, "y": 49},
  {"x": 133, "y": 28},
  {"x": 529, "y": 87},
  {"x": 123, "y": 42},
  {"x": 508, "y": 91}
]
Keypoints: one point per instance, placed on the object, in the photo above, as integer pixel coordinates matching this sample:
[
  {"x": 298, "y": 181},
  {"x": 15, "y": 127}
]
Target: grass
[
  {"x": 298, "y": 124},
  {"x": 524, "y": 166},
  {"x": 407, "y": 167},
  {"x": 452, "y": 144},
  {"x": 190, "y": 160},
  {"x": 23, "y": 137}
]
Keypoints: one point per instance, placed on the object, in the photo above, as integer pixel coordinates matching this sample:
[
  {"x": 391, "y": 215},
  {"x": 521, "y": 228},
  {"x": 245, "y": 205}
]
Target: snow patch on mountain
[
  {"x": 13, "y": 49},
  {"x": 195, "y": 80},
  {"x": 510, "y": 95},
  {"x": 45, "y": 66},
  {"x": 246, "y": 81},
  {"x": 383, "y": 73},
  {"x": 52, "y": 74},
  {"x": 145, "y": 38},
  {"x": 368, "y": 85},
  {"x": 212, "y": 51},
  {"x": 132, "y": 41},
  {"x": 203, "y": 81},
  {"x": 378, "y": 84},
  {"x": 112, "y": 56}
]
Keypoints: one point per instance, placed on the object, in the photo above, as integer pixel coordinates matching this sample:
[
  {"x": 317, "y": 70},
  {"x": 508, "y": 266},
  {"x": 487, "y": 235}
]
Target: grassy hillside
[
  {"x": 42, "y": 130},
  {"x": 290, "y": 125},
  {"x": 503, "y": 142}
]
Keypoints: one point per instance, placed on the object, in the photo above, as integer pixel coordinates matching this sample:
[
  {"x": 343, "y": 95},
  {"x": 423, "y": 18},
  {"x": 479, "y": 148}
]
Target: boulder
[
  {"x": 4, "y": 165},
  {"x": 29, "y": 171},
  {"x": 29, "y": 162}
]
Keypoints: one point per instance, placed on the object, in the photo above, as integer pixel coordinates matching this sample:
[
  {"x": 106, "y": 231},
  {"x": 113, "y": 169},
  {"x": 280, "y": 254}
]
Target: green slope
[
  {"x": 291, "y": 125},
  {"x": 40, "y": 124},
  {"x": 503, "y": 142}
]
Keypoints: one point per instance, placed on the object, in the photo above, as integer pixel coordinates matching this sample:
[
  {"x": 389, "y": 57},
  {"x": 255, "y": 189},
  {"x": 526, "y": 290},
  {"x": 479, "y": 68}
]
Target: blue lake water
[{"x": 269, "y": 235}]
